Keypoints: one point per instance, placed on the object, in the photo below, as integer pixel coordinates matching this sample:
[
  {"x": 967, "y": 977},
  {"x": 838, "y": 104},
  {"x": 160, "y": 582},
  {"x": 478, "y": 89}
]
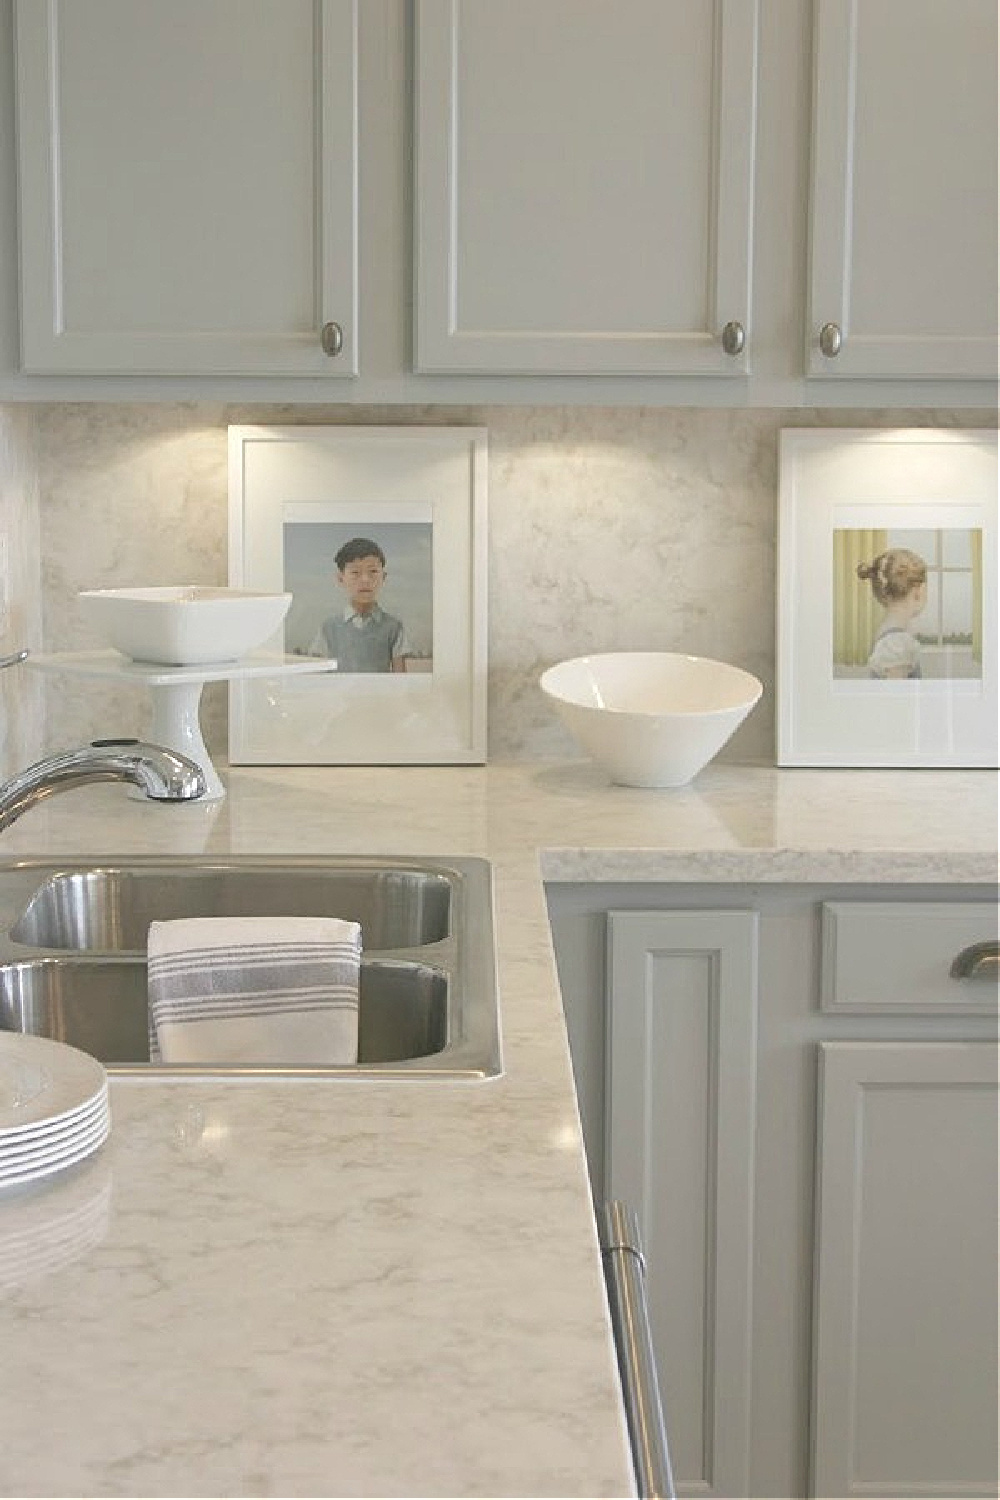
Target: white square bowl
[{"x": 184, "y": 624}]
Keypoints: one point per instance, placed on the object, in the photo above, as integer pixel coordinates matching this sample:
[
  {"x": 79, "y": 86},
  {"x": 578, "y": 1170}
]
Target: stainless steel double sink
[{"x": 73, "y": 945}]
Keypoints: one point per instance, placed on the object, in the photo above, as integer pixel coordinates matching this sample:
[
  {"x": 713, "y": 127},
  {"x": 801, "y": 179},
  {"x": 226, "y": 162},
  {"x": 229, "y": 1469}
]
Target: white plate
[
  {"x": 18, "y": 1147},
  {"x": 81, "y": 1144},
  {"x": 21, "y": 1081},
  {"x": 29, "y": 1167},
  {"x": 43, "y": 1081},
  {"x": 55, "y": 1160}
]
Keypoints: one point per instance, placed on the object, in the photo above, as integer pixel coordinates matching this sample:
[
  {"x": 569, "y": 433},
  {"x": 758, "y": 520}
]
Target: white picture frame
[
  {"x": 295, "y": 494},
  {"x": 847, "y": 694}
]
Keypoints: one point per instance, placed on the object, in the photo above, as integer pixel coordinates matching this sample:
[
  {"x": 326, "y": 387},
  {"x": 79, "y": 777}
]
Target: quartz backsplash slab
[
  {"x": 609, "y": 529},
  {"x": 21, "y": 693}
]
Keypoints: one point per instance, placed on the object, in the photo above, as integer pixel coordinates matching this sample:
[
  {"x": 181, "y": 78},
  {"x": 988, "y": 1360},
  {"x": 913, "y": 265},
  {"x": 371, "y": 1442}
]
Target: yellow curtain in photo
[
  {"x": 977, "y": 597},
  {"x": 855, "y": 612}
]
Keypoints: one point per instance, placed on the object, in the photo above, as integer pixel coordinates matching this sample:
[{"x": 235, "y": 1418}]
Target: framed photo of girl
[
  {"x": 887, "y": 598},
  {"x": 379, "y": 535}
]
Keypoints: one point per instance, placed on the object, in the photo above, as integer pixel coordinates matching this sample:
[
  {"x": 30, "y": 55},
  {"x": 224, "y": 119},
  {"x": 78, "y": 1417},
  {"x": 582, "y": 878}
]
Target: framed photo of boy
[
  {"x": 379, "y": 535},
  {"x": 887, "y": 598}
]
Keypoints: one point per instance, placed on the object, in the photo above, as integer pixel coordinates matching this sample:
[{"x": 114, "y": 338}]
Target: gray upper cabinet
[
  {"x": 187, "y": 186},
  {"x": 584, "y": 186},
  {"x": 903, "y": 229},
  {"x": 620, "y": 201}
]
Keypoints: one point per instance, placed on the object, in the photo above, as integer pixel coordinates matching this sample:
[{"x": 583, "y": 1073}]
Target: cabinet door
[
  {"x": 584, "y": 175},
  {"x": 903, "y": 254},
  {"x": 682, "y": 1009},
  {"x": 905, "y": 1334},
  {"x": 187, "y": 185}
]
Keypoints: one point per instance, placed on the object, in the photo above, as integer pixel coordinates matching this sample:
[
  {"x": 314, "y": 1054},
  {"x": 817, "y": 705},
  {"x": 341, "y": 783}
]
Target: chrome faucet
[{"x": 164, "y": 775}]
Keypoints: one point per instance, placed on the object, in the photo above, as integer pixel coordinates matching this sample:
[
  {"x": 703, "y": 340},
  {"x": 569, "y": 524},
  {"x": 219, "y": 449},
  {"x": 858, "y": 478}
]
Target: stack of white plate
[{"x": 54, "y": 1108}]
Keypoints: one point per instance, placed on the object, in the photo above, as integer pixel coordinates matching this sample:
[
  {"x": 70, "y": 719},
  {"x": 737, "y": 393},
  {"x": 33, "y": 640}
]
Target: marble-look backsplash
[
  {"x": 624, "y": 528},
  {"x": 21, "y": 698}
]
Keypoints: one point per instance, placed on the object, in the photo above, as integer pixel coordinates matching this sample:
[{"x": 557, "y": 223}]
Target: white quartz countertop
[{"x": 308, "y": 1287}]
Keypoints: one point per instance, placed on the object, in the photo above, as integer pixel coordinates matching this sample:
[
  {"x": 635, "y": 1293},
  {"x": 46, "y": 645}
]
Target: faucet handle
[
  {"x": 164, "y": 775},
  {"x": 12, "y": 661}
]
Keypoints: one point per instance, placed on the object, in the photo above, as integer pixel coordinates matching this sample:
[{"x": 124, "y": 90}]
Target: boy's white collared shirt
[{"x": 356, "y": 618}]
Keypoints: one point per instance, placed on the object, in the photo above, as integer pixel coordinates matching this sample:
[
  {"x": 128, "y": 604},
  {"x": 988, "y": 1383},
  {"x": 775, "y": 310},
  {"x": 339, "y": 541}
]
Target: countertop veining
[
  {"x": 319, "y": 1288},
  {"x": 749, "y": 822}
]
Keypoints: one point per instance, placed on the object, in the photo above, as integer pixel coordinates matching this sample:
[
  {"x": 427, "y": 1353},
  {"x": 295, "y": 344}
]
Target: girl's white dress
[{"x": 894, "y": 648}]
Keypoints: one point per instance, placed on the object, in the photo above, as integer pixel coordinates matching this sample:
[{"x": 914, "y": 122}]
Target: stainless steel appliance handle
[{"x": 625, "y": 1275}]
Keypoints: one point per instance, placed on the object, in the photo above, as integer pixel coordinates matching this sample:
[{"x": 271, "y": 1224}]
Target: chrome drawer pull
[
  {"x": 978, "y": 961},
  {"x": 12, "y": 661}
]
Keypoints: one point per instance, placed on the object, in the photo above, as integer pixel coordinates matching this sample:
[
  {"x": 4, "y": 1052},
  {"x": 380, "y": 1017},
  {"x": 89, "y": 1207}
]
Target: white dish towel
[{"x": 280, "y": 990}]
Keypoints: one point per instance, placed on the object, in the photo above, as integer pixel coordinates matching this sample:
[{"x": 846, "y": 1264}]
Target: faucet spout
[{"x": 164, "y": 775}]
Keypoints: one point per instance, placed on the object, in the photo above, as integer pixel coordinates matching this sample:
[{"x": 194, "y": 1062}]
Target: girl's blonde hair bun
[{"x": 894, "y": 573}]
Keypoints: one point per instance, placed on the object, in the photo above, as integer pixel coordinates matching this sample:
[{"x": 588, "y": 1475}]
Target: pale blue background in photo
[{"x": 310, "y": 575}]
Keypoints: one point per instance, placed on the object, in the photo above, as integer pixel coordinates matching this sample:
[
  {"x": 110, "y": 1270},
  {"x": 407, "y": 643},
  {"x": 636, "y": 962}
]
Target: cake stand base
[
  {"x": 177, "y": 725},
  {"x": 176, "y": 695}
]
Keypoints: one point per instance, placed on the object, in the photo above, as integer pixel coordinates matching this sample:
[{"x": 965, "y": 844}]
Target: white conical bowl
[{"x": 650, "y": 718}]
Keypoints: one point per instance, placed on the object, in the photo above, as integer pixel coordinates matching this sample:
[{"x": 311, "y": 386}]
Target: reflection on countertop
[{"x": 45, "y": 1226}]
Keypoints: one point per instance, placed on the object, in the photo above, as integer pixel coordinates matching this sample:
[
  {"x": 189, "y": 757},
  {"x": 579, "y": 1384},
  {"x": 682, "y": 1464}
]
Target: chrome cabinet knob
[
  {"x": 332, "y": 338},
  {"x": 830, "y": 340},
  {"x": 734, "y": 338}
]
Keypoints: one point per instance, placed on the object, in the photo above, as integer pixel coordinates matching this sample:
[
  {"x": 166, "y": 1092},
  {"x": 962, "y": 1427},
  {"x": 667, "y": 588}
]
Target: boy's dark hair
[{"x": 355, "y": 549}]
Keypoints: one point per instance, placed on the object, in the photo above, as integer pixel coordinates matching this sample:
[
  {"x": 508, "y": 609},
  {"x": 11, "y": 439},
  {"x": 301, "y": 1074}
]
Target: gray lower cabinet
[
  {"x": 800, "y": 1100},
  {"x": 680, "y": 1149},
  {"x": 905, "y": 1332}
]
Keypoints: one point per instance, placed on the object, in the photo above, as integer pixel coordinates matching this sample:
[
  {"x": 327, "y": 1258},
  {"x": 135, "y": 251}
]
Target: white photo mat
[
  {"x": 365, "y": 480},
  {"x": 933, "y": 483}
]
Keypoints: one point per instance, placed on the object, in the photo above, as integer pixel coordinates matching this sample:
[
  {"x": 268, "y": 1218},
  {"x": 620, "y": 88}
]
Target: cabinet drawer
[{"x": 896, "y": 957}]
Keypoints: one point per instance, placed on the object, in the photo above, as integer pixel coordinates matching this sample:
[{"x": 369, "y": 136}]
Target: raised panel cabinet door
[
  {"x": 905, "y": 1319},
  {"x": 584, "y": 175},
  {"x": 187, "y": 186},
  {"x": 903, "y": 231},
  {"x": 682, "y": 1025}
]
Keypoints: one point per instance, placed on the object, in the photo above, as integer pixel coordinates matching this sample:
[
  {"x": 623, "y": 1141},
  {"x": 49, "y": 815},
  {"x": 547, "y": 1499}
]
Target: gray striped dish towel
[{"x": 280, "y": 990}]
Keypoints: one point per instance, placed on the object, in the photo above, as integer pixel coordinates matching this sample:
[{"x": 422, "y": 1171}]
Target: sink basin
[
  {"x": 101, "y": 1007},
  {"x": 73, "y": 940},
  {"x": 111, "y": 907}
]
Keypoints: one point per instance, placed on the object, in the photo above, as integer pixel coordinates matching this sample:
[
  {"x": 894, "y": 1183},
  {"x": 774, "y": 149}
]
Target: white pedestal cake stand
[{"x": 176, "y": 693}]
